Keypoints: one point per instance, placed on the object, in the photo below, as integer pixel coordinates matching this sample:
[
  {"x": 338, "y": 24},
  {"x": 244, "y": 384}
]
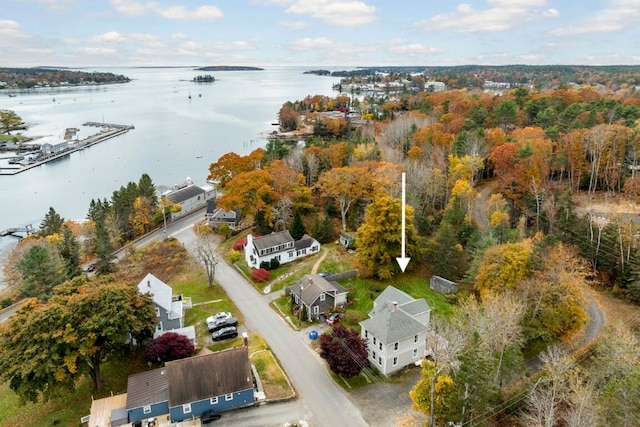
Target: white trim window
[
  {"x": 146, "y": 409},
  {"x": 322, "y": 296},
  {"x": 380, "y": 360},
  {"x": 186, "y": 408},
  {"x": 395, "y": 347},
  {"x": 415, "y": 352},
  {"x": 157, "y": 311},
  {"x": 415, "y": 339},
  {"x": 316, "y": 309},
  {"x": 213, "y": 401},
  {"x": 228, "y": 396},
  {"x": 380, "y": 345},
  {"x": 395, "y": 361}
]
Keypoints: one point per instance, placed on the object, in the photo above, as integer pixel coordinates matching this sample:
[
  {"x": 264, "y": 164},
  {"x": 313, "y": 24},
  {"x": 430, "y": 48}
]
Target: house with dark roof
[
  {"x": 147, "y": 395},
  {"x": 218, "y": 216},
  {"x": 186, "y": 388},
  {"x": 318, "y": 295},
  {"x": 217, "y": 381},
  {"x": 280, "y": 246},
  {"x": 396, "y": 331},
  {"x": 190, "y": 197}
]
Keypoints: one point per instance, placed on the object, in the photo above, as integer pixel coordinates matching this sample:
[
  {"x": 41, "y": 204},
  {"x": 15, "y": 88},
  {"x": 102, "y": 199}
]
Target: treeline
[
  {"x": 25, "y": 78},
  {"x": 542, "y": 76}
]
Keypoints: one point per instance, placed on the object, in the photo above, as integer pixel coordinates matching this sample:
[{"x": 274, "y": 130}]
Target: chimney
[
  {"x": 310, "y": 281},
  {"x": 245, "y": 339},
  {"x": 394, "y": 306}
]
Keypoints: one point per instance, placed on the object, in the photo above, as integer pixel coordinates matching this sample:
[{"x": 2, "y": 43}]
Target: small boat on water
[{"x": 12, "y": 95}]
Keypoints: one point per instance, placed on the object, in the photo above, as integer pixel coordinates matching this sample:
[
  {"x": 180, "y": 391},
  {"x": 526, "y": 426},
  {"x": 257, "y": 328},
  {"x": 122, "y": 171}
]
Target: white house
[
  {"x": 396, "y": 331},
  {"x": 280, "y": 246},
  {"x": 169, "y": 309},
  {"x": 190, "y": 197}
]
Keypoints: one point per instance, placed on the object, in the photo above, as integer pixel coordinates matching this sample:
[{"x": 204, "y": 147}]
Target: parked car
[
  {"x": 333, "y": 319},
  {"x": 225, "y": 333},
  {"x": 218, "y": 316},
  {"x": 210, "y": 416},
  {"x": 222, "y": 323}
]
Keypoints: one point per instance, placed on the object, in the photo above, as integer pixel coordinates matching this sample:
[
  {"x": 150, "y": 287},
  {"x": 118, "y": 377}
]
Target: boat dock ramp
[{"x": 108, "y": 131}]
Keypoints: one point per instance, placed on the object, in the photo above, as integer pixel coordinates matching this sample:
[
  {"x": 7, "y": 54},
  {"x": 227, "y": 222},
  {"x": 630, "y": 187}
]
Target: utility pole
[
  {"x": 300, "y": 306},
  {"x": 164, "y": 220}
]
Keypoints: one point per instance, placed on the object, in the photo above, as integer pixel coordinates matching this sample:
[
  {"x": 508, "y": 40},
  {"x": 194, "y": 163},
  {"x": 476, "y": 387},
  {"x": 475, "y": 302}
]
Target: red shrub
[
  {"x": 260, "y": 275},
  {"x": 239, "y": 245}
]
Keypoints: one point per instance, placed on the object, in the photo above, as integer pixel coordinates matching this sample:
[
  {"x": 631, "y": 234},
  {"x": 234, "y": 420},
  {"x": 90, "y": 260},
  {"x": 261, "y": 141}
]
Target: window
[
  {"x": 366, "y": 334},
  {"x": 157, "y": 311},
  {"x": 374, "y": 341},
  {"x": 380, "y": 345},
  {"x": 379, "y": 360},
  {"x": 395, "y": 361},
  {"x": 146, "y": 409},
  {"x": 316, "y": 309},
  {"x": 186, "y": 408},
  {"x": 373, "y": 355},
  {"x": 415, "y": 339},
  {"x": 415, "y": 352},
  {"x": 159, "y": 327},
  {"x": 395, "y": 347},
  {"x": 213, "y": 401},
  {"x": 322, "y": 296},
  {"x": 228, "y": 396}
]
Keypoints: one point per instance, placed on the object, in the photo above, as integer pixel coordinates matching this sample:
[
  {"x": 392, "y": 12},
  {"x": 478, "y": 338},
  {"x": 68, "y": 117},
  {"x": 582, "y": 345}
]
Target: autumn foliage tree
[
  {"x": 168, "y": 346},
  {"x": 344, "y": 350},
  {"x": 379, "y": 239}
]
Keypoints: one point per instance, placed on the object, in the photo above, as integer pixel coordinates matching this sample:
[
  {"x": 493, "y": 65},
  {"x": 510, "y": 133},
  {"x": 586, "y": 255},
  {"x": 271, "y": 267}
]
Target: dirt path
[{"x": 314, "y": 270}]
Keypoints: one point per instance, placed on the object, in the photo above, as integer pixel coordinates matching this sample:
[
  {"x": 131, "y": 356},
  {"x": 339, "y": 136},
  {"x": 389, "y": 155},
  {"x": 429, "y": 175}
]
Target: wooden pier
[
  {"x": 12, "y": 231},
  {"x": 109, "y": 131}
]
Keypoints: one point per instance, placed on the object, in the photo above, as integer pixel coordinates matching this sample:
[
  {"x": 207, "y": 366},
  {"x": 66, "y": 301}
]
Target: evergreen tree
[
  {"x": 261, "y": 226},
  {"x": 147, "y": 189},
  {"x": 51, "y": 224},
  {"x": 69, "y": 250},
  {"x": 104, "y": 251},
  {"x": 42, "y": 271},
  {"x": 297, "y": 228}
]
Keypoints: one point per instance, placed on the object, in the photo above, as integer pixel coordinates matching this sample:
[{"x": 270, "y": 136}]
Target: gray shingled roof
[
  {"x": 146, "y": 388},
  {"x": 305, "y": 242},
  {"x": 210, "y": 375},
  {"x": 271, "y": 240},
  {"x": 393, "y": 326},
  {"x": 311, "y": 290},
  {"x": 384, "y": 302},
  {"x": 185, "y": 193},
  {"x": 416, "y": 307}
]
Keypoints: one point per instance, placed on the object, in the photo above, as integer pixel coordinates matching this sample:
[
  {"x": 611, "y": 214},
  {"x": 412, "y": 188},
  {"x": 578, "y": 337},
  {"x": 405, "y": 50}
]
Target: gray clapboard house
[
  {"x": 169, "y": 310},
  {"x": 396, "y": 331},
  {"x": 317, "y": 294}
]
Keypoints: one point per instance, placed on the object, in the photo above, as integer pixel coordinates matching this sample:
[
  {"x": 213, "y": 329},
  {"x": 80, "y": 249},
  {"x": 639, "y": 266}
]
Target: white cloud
[
  {"x": 136, "y": 8},
  {"x": 309, "y": 44},
  {"x": 109, "y": 37},
  {"x": 618, "y": 16},
  {"x": 96, "y": 51},
  {"x": 11, "y": 30},
  {"x": 502, "y": 15},
  {"x": 203, "y": 13},
  {"x": 179, "y": 36},
  {"x": 293, "y": 25},
  {"x": 336, "y": 12},
  {"x": 413, "y": 49},
  {"x": 132, "y": 7}
]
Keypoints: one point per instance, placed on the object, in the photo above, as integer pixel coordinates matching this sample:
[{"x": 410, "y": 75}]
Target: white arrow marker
[{"x": 403, "y": 260}]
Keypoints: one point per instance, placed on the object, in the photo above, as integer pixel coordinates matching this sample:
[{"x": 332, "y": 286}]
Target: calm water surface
[{"x": 174, "y": 137}]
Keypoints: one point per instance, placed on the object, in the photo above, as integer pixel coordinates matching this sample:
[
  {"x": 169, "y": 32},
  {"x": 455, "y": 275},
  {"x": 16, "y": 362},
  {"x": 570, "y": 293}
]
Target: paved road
[{"x": 323, "y": 403}]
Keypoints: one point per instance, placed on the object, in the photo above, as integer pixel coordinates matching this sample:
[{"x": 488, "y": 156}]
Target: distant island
[
  {"x": 204, "y": 79},
  {"x": 318, "y": 72},
  {"x": 229, "y": 68},
  {"x": 27, "y": 78}
]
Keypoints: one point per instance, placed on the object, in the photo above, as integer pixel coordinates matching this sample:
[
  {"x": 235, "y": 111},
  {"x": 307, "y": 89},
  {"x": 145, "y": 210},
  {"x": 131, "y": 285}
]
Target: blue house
[
  {"x": 218, "y": 381},
  {"x": 147, "y": 395}
]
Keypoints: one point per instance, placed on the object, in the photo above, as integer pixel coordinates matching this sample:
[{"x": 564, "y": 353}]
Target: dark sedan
[
  {"x": 222, "y": 323},
  {"x": 225, "y": 333}
]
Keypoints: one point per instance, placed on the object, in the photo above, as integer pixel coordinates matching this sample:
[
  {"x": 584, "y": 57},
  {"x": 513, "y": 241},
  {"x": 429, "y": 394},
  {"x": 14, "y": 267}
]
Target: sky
[{"x": 331, "y": 33}]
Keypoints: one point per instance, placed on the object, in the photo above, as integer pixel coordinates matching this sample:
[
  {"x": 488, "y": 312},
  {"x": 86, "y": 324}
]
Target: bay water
[{"x": 181, "y": 127}]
